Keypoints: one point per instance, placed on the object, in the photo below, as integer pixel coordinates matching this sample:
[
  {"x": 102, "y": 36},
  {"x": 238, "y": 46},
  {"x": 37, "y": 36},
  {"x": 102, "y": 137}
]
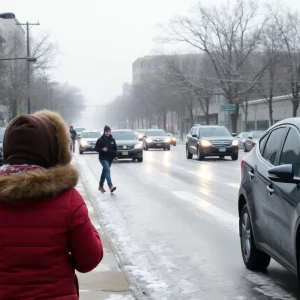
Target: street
[{"x": 174, "y": 224}]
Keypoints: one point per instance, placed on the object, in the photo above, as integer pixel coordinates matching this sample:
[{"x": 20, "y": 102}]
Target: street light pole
[{"x": 27, "y": 24}]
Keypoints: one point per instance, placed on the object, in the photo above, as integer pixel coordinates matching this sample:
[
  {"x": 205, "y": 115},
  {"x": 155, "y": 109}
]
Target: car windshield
[
  {"x": 79, "y": 129},
  {"x": 257, "y": 134},
  {"x": 156, "y": 133},
  {"x": 123, "y": 135},
  {"x": 214, "y": 132},
  {"x": 2, "y": 130},
  {"x": 92, "y": 134},
  {"x": 244, "y": 135}
]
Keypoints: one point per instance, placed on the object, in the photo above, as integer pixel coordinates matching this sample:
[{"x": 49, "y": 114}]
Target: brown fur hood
[{"x": 37, "y": 184}]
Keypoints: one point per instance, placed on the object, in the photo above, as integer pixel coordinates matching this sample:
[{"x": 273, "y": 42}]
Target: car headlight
[
  {"x": 148, "y": 140},
  {"x": 140, "y": 136},
  {"x": 235, "y": 143},
  {"x": 167, "y": 140},
  {"x": 205, "y": 143},
  {"x": 138, "y": 146},
  {"x": 83, "y": 142},
  {"x": 174, "y": 139}
]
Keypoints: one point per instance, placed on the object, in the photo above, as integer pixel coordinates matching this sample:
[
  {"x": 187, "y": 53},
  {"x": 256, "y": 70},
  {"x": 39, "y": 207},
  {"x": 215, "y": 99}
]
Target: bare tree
[
  {"x": 228, "y": 35},
  {"x": 288, "y": 25}
]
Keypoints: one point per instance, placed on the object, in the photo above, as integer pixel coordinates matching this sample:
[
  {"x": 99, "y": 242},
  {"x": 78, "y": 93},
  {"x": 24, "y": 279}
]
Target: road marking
[
  {"x": 223, "y": 217},
  {"x": 235, "y": 185}
]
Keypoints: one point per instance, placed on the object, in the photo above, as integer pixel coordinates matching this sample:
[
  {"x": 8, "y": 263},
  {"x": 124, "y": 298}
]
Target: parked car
[
  {"x": 242, "y": 138},
  {"x": 252, "y": 139},
  {"x": 173, "y": 138},
  {"x": 129, "y": 147},
  {"x": 79, "y": 131},
  {"x": 211, "y": 140},
  {"x": 2, "y": 131},
  {"x": 156, "y": 139},
  {"x": 269, "y": 203},
  {"x": 88, "y": 141}
]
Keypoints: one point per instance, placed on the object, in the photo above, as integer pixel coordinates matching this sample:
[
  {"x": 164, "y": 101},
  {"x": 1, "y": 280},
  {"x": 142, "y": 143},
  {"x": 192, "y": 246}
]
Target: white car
[{"x": 88, "y": 141}]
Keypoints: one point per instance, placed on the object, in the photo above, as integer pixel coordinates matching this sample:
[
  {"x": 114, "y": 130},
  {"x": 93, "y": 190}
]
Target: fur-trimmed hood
[{"x": 39, "y": 183}]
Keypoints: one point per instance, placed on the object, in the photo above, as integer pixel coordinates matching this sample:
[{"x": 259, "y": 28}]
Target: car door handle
[
  {"x": 251, "y": 174},
  {"x": 270, "y": 190}
]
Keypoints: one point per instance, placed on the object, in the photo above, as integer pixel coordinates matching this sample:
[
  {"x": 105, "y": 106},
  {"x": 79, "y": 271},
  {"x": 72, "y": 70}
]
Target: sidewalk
[{"x": 107, "y": 281}]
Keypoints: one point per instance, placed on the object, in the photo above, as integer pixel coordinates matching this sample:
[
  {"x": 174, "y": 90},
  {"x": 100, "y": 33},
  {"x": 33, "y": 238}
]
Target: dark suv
[
  {"x": 211, "y": 140},
  {"x": 269, "y": 202},
  {"x": 2, "y": 130}
]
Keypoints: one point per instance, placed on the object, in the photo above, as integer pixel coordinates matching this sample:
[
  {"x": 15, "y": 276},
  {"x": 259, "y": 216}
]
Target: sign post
[{"x": 230, "y": 108}]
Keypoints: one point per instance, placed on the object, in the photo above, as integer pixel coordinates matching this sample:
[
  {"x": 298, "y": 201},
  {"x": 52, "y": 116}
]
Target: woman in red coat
[{"x": 45, "y": 230}]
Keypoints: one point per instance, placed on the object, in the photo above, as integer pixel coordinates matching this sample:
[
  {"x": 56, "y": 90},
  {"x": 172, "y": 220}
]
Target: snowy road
[{"x": 174, "y": 224}]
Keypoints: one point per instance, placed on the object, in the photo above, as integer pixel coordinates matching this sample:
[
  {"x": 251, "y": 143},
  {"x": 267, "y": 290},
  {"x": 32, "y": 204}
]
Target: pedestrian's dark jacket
[
  {"x": 111, "y": 145},
  {"x": 73, "y": 134}
]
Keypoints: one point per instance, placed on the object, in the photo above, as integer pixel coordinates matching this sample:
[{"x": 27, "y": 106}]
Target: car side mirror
[
  {"x": 233, "y": 134},
  {"x": 249, "y": 137},
  {"x": 284, "y": 174},
  {"x": 195, "y": 135}
]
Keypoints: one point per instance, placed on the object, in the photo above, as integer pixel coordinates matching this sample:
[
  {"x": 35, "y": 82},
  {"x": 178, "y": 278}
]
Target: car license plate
[
  {"x": 222, "y": 149},
  {"x": 158, "y": 145},
  {"x": 124, "y": 153}
]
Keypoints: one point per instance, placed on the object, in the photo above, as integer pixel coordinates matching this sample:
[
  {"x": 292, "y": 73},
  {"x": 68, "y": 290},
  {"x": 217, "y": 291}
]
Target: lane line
[{"x": 223, "y": 217}]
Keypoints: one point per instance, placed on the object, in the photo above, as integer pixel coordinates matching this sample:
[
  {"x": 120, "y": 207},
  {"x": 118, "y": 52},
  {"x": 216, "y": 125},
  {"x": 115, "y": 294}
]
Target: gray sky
[{"x": 98, "y": 39}]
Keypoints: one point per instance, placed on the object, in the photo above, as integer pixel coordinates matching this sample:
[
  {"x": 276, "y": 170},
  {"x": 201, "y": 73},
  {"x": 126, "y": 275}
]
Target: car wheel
[
  {"x": 200, "y": 154},
  {"x": 146, "y": 148},
  {"x": 140, "y": 159},
  {"x": 221, "y": 156},
  {"x": 188, "y": 154},
  {"x": 80, "y": 152},
  {"x": 234, "y": 156},
  {"x": 253, "y": 258},
  {"x": 169, "y": 148},
  {"x": 245, "y": 148}
]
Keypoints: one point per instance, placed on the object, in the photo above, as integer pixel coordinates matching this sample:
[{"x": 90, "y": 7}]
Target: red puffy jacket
[{"x": 45, "y": 234}]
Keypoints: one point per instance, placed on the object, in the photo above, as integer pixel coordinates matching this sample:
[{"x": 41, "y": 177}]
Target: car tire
[
  {"x": 222, "y": 156},
  {"x": 245, "y": 149},
  {"x": 174, "y": 144},
  {"x": 200, "y": 155},
  {"x": 146, "y": 148},
  {"x": 169, "y": 148},
  {"x": 253, "y": 258},
  {"x": 140, "y": 159},
  {"x": 234, "y": 156},
  {"x": 80, "y": 152},
  {"x": 188, "y": 154}
]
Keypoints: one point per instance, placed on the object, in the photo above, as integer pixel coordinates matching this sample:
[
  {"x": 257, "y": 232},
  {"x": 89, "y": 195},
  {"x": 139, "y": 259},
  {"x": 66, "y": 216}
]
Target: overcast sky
[{"x": 100, "y": 39}]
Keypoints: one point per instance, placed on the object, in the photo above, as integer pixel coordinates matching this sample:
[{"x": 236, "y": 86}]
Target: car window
[
  {"x": 262, "y": 143},
  {"x": 273, "y": 144},
  {"x": 123, "y": 135},
  {"x": 1, "y": 134},
  {"x": 214, "y": 132},
  {"x": 157, "y": 133},
  {"x": 291, "y": 151},
  {"x": 92, "y": 134}
]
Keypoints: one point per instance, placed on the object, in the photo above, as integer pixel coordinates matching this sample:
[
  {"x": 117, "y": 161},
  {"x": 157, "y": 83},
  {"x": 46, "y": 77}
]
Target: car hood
[
  {"x": 158, "y": 137},
  {"x": 127, "y": 142},
  {"x": 221, "y": 138},
  {"x": 91, "y": 139}
]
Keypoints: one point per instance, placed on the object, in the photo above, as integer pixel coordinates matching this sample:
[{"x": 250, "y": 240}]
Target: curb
[{"x": 137, "y": 292}]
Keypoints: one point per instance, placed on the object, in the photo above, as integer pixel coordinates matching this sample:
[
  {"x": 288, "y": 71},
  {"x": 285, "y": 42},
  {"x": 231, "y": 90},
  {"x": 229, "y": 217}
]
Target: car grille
[
  {"x": 219, "y": 144},
  {"x": 158, "y": 141},
  {"x": 92, "y": 143},
  {"x": 126, "y": 147}
]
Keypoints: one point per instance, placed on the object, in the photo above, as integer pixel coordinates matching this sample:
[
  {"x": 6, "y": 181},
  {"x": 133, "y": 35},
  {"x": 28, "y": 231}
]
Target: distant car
[
  {"x": 268, "y": 203},
  {"x": 2, "y": 131},
  {"x": 211, "y": 140},
  {"x": 140, "y": 134},
  {"x": 79, "y": 131},
  {"x": 173, "y": 138},
  {"x": 129, "y": 147},
  {"x": 252, "y": 139},
  {"x": 241, "y": 138},
  {"x": 156, "y": 139},
  {"x": 88, "y": 141}
]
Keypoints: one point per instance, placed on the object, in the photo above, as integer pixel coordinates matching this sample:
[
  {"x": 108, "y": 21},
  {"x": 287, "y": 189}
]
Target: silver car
[
  {"x": 88, "y": 141},
  {"x": 252, "y": 139},
  {"x": 242, "y": 138}
]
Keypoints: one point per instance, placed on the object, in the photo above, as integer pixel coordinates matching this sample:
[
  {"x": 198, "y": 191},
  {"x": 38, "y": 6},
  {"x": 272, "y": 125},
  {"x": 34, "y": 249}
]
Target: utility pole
[{"x": 27, "y": 24}]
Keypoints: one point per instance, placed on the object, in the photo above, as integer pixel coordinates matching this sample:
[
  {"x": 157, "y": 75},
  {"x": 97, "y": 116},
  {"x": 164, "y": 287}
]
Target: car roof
[
  {"x": 289, "y": 121},
  {"x": 114, "y": 130},
  {"x": 155, "y": 130},
  {"x": 91, "y": 131},
  {"x": 208, "y": 126}
]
